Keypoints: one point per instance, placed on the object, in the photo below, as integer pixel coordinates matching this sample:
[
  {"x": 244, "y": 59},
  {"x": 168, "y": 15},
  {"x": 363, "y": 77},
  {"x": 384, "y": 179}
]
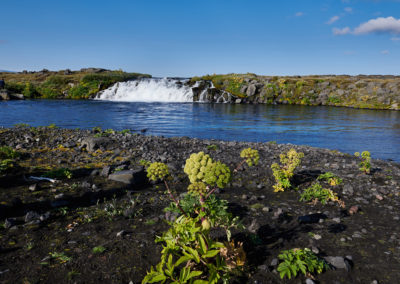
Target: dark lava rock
[
  {"x": 311, "y": 218},
  {"x": 131, "y": 177},
  {"x": 9, "y": 222},
  {"x": 105, "y": 171},
  {"x": 31, "y": 216}
]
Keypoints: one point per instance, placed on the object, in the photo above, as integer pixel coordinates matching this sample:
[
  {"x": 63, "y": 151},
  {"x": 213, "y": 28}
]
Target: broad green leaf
[
  {"x": 217, "y": 245},
  {"x": 211, "y": 253},
  {"x": 200, "y": 282},
  {"x": 194, "y": 253},
  {"x": 194, "y": 274},
  {"x": 183, "y": 277},
  {"x": 183, "y": 259},
  {"x": 203, "y": 246},
  {"x": 157, "y": 278}
]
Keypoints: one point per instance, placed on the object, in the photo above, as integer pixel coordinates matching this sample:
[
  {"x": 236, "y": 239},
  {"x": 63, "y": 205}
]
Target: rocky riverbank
[
  {"x": 374, "y": 92},
  {"x": 96, "y": 216},
  {"x": 64, "y": 84}
]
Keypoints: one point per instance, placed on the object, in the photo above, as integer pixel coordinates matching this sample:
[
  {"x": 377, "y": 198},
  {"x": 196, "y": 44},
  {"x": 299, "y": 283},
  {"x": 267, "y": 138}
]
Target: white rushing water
[{"x": 148, "y": 90}]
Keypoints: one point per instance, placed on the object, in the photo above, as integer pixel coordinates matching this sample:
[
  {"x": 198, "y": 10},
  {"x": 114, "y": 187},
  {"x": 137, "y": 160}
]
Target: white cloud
[
  {"x": 379, "y": 25},
  {"x": 395, "y": 38},
  {"x": 299, "y": 14},
  {"x": 385, "y": 52},
  {"x": 343, "y": 31},
  {"x": 348, "y": 9},
  {"x": 332, "y": 20}
]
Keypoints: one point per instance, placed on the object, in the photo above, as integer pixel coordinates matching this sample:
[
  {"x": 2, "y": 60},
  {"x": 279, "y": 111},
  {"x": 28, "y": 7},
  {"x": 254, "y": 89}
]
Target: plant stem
[
  {"x": 211, "y": 192},
  {"x": 173, "y": 198},
  {"x": 239, "y": 165}
]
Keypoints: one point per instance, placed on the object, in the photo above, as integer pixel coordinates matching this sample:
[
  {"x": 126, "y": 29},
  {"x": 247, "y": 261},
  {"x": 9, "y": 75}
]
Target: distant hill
[{"x": 6, "y": 71}]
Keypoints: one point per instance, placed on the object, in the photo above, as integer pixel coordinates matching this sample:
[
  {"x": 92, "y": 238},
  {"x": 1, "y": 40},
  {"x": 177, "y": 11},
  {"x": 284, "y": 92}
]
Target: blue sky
[{"x": 198, "y": 37}]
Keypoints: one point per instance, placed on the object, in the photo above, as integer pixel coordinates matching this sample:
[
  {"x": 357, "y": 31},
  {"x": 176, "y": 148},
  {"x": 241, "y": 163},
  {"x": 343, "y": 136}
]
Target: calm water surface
[{"x": 345, "y": 129}]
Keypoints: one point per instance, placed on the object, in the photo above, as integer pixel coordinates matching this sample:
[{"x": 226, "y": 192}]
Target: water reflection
[{"x": 345, "y": 129}]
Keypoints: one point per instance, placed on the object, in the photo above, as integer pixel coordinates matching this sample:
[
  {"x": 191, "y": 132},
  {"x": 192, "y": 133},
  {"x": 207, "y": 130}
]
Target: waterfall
[
  {"x": 164, "y": 90},
  {"x": 149, "y": 90}
]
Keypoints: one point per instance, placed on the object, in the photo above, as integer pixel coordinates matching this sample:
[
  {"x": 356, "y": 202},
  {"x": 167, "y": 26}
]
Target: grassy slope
[{"x": 63, "y": 84}]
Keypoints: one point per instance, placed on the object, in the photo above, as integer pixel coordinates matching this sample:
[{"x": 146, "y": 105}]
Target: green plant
[
  {"x": 144, "y": 163},
  {"x": 330, "y": 178},
  {"x": 21, "y": 125},
  {"x": 212, "y": 147},
  {"x": 63, "y": 211},
  {"x": 284, "y": 173},
  {"x": 300, "y": 260},
  {"x": 125, "y": 131},
  {"x": 189, "y": 254},
  {"x": 251, "y": 156},
  {"x": 7, "y": 156},
  {"x": 97, "y": 129},
  {"x": 59, "y": 173},
  {"x": 365, "y": 164},
  {"x": 112, "y": 209},
  {"x": 60, "y": 256},
  {"x": 8, "y": 153},
  {"x": 317, "y": 193},
  {"x": 52, "y": 126},
  {"x": 98, "y": 249},
  {"x": 201, "y": 168}
]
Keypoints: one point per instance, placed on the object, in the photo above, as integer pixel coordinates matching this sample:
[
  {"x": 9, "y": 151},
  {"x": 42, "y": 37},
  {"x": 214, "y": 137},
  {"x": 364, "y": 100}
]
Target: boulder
[
  {"x": 17, "y": 97},
  {"x": 251, "y": 90},
  {"x": 94, "y": 143},
  {"x": 130, "y": 177},
  {"x": 4, "y": 96}
]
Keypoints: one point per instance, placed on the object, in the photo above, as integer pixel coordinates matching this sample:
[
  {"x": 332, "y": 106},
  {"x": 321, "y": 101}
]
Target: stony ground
[{"x": 99, "y": 225}]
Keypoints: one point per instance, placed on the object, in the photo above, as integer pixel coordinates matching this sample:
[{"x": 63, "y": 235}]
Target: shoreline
[
  {"x": 361, "y": 240},
  {"x": 361, "y": 91}
]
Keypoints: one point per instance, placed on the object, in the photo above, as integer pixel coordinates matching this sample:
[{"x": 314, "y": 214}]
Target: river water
[{"x": 345, "y": 129}]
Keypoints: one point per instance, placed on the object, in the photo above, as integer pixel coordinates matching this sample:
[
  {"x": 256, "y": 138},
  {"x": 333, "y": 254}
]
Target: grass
[{"x": 65, "y": 85}]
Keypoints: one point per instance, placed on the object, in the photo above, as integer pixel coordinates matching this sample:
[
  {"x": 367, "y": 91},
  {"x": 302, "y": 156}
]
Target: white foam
[{"x": 148, "y": 90}]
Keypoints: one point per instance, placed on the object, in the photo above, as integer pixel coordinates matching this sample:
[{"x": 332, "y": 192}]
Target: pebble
[
  {"x": 379, "y": 197},
  {"x": 120, "y": 233},
  {"x": 337, "y": 220},
  {"x": 274, "y": 262},
  {"x": 59, "y": 196},
  {"x": 33, "y": 187},
  {"x": 317, "y": 236}
]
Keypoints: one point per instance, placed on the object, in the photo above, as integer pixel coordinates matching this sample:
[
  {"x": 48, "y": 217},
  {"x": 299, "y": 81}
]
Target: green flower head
[
  {"x": 157, "y": 171},
  {"x": 251, "y": 156}
]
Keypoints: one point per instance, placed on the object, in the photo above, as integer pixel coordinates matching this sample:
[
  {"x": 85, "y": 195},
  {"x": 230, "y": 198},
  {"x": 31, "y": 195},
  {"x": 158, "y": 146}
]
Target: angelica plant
[
  {"x": 330, "y": 178},
  {"x": 317, "y": 193},
  {"x": 250, "y": 156},
  {"x": 365, "y": 164},
  {"x": 284, "y": 172},
  {"x": 298, "y": 260},
  {"x": 189, "y": 254}
]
